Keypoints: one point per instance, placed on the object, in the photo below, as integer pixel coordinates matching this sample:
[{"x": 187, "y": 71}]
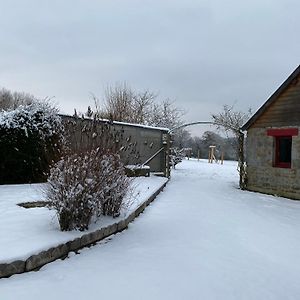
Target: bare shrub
[
  {"x": 232, "y": 121},
  {"x": 85, "y": 186},
  {"x": 115, "y": 185}
]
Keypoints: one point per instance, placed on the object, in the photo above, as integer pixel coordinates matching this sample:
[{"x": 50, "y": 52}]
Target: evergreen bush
[{"x": 31, "y": 138}]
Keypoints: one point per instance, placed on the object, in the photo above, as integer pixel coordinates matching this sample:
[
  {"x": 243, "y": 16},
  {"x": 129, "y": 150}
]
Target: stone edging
[{"x": 36, "y": 261}]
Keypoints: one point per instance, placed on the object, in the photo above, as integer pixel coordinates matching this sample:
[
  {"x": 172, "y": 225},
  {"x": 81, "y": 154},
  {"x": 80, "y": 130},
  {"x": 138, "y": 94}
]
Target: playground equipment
[{"x": 212, "y": 157}]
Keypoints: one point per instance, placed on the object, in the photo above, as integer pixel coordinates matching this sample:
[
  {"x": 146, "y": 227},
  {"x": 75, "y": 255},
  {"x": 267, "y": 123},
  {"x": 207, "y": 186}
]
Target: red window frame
[
  {"x": 283, "y": 132},
  {"x": 278, "y": 163},
  {"x": 279, "y": 135}
]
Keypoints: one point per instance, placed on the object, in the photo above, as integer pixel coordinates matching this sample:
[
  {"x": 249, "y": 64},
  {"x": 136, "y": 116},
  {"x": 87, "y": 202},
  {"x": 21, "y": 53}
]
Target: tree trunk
[{"x": 241, "y": 162}]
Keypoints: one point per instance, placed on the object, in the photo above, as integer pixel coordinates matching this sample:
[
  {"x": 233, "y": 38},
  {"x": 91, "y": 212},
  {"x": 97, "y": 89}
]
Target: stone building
[
  {"x": 273, "y": 142},
  {"x": 140, "y": 144}
]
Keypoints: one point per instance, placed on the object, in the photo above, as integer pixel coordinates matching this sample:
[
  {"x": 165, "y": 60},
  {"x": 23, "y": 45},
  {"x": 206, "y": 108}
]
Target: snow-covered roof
[
  {"x": 142, "y": 126},
  {"x": 125, "y": 123}
]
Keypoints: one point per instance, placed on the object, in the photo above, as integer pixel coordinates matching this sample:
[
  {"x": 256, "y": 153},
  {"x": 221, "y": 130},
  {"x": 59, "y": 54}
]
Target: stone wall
[{"x": 262, "y": 176}]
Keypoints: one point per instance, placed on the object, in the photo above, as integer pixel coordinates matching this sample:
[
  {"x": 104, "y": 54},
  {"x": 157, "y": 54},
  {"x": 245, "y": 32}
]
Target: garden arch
[{"x": 241, "y": 138}]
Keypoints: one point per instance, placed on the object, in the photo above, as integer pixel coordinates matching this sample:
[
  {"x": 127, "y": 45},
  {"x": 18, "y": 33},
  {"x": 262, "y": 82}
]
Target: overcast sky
[{"x": 202, "y": 54}]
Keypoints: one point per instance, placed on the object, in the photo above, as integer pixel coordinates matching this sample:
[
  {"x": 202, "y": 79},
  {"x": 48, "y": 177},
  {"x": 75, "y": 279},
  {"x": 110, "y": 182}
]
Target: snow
[
  {"x": 137, "y": 167},
  {"x": 202, "y": 238},
  {"x": 25, "y": 232},
  {"x": 125, "y": 123},
  {"x": 38, "y": 116},
  {"x": 142, "y": 126}
]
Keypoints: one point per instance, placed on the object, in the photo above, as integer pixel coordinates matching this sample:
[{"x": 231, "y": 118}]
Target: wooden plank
[
  {"x": 276, "y": 124},
  {"x": 295, "y": 103},
  {"x": 285, "y": 110},
  {"x": 281, "y": 112},
  {"x": 285, "y": 117}
]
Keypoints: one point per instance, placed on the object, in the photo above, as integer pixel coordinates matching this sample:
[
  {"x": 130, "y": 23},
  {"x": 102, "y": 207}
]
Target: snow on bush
[
  {"x": 38, "y": 116},
  {"x": 85, "y": 186},
  {"x": 31, "y": 138},
  {"x": 176, "y": 156}
]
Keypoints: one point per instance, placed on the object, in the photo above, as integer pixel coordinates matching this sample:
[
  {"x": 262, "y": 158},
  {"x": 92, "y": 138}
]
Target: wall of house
[
  {"x": 285, "y": 110},
  {"x": 262, "y": 176},
  {"x": 139, "y": 143}
]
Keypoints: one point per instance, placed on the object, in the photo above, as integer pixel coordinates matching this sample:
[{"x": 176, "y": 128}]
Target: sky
[{"x": 200, "y": 54}]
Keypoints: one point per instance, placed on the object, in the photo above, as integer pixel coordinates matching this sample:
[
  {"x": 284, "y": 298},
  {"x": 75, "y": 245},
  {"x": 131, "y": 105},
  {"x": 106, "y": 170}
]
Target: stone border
[{"x": 36, "y": 261}]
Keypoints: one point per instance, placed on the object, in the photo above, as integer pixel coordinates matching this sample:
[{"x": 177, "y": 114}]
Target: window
[
  {"x": 283, "y": 151},
  {"x": 283, "y": 146}
]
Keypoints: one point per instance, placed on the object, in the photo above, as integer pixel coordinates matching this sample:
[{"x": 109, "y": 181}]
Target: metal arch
[{"x": 189, "y": 124}]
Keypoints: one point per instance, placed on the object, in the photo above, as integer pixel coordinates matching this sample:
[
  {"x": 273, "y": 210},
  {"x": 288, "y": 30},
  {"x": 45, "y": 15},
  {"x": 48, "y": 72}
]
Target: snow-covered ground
[
  {"x": 202, "y": 238},
  {"x": 24, "y": 232}
]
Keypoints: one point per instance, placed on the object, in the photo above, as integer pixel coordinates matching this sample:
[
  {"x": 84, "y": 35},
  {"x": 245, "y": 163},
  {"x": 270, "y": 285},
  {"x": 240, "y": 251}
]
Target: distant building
[{"x": 273, "y": 142}]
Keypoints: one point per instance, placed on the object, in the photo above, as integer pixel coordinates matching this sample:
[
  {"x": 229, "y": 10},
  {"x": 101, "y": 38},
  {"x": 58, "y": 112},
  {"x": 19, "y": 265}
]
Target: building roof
[
  {"x": 272, "y": 98},
  {"x": 121, "y": 123}
]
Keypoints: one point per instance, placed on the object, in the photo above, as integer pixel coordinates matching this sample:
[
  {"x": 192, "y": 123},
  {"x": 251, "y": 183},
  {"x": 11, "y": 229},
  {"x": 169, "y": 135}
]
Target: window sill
[{"x": 283, "y": 165}]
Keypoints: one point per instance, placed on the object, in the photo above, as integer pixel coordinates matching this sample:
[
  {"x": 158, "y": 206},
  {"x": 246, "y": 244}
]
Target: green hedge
[{"x": 31, "y": 138}]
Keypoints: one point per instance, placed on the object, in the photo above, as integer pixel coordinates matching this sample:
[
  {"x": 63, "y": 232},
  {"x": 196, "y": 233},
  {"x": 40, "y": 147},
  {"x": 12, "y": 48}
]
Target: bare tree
[
  {"x": 166, "y": 114},
  {"x": 231, "y": 121},
  {"x": 142, "y": 107},
  {"x": 12, "y": 100},
  {"x": 121, "y": 103},
  {"x": 182, "y": 139}
]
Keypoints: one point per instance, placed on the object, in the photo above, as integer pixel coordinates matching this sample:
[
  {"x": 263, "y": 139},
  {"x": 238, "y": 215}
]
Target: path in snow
[{"x": 201, "y": 239}]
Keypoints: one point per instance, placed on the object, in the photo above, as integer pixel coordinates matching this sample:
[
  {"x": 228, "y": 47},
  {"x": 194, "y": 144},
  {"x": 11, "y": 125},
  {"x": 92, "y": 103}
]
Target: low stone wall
[
  {"x": 274, "y": 181},
  {"x": 36, "y": 261}
]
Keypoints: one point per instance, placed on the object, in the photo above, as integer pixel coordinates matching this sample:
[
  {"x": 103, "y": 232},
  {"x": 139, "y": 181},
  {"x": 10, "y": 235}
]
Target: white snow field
[
  {"x": 202, "y": 238},
  {"x": 24, "y": 232}
]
